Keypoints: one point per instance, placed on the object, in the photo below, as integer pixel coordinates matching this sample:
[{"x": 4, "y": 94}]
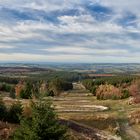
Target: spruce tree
[{"x": 43, "y": 125}]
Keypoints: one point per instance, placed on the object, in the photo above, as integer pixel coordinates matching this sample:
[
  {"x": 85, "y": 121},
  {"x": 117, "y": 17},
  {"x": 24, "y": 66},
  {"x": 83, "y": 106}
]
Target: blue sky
[{"x": 70, "y": 31}]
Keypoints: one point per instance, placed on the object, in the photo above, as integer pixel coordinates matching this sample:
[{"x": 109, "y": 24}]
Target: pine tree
[
  {"x": 43, "y": 125},
  {"x": 15, "y": 112}
]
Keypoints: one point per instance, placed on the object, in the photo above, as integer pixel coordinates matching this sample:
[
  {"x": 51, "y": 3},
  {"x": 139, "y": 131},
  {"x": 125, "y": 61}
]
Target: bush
[
  {"x": 134, "y": 117},
  {"x": 27, "y": 111},
  {"x": 5, "y": 87},
  {"x": 42, "y": 125},
  {"x": 106, "y": 91},
  {"x": 28, "y": 90},
  {"x": 137, "y": 99},
  {"x": 12, "y": 93},
  {"x": 48, "y": 93},
  {"x": 134, "y": 88},
  {"x": 3, "y": 110},
  {"x": 23, "y": 94},
  {"x": 93, "y": 90},
  {"x": 26, "y": 93},
  {"x": 88, "y": 83},
  {"x": 14, "y": 113},
  {"x": 126, "y": 94}
]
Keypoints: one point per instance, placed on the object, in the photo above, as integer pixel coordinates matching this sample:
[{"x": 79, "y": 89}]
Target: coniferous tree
[{"x": 43, "y": 124}]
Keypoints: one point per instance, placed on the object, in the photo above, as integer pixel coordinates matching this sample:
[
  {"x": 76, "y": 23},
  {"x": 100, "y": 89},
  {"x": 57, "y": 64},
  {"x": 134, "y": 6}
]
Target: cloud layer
[{"x": 70, "y": 31}]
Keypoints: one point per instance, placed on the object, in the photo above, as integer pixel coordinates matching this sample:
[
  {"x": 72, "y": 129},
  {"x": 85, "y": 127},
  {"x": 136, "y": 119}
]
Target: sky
[{"x": 81, "y": 31}]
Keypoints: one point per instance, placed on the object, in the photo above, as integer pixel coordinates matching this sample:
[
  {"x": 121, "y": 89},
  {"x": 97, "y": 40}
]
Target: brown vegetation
[
  {"x": 134, "y": 90},
  {"x": 19, "y": 87},
  {"x": 108, "y": 92},
  {"x": 6, "y": 130},
  {"x": 134, "y": 117}
]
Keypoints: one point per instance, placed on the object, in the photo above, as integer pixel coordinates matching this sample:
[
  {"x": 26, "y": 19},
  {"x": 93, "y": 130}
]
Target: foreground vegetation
[{"x": 42, "y": 122}]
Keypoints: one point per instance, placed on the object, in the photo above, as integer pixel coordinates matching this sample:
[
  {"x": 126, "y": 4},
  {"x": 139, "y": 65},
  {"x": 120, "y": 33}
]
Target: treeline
[
  {"x": 32, "y": 89},
  {"x": 57, "y": 85},
  {"x": 66, "y": 76},
  {"x": 114, "y": 80},
  {"x": 116, "y": 87},
  {"x": 7, "y": 84},
  {"x": 9, "y": 80}
]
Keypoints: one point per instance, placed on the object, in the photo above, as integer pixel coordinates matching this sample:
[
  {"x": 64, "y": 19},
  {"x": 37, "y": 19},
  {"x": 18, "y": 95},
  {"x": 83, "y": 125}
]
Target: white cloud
[
  {"x": 125, "y": 5},
  {"x": 3, "y": 46},
  {"x": 22, "y": 57},
  {"x": 81, "y": 36},
  {"x": 45, "y": 5},
  {"x": 77, "y": 24},
  {"x": 44, "y": 58},
  {"x": 83, "y": 50}
]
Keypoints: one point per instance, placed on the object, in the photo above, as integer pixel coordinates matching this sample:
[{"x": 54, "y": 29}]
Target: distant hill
[{"x": 98, "y": 68}]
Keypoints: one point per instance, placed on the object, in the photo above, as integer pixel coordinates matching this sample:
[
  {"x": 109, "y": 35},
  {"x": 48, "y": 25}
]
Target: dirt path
[
  {"x": 131, "y": 132},
  {"x": 77, "y": 101},
  {"x": 87, "y": 132},
  {"x": 78, "y": 86},
  {"x": 80, "y": 101}
]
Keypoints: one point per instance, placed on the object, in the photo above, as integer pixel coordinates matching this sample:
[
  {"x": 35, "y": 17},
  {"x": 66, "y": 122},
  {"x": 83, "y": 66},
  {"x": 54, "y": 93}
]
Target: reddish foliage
[
  {"x": 134, "y": 90},
  {"x": 137, "y": 99},
  {"x": 134, "y": 117},
  {"x": 18, "y": 88},
  {"x": 108, "y": 92}
]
